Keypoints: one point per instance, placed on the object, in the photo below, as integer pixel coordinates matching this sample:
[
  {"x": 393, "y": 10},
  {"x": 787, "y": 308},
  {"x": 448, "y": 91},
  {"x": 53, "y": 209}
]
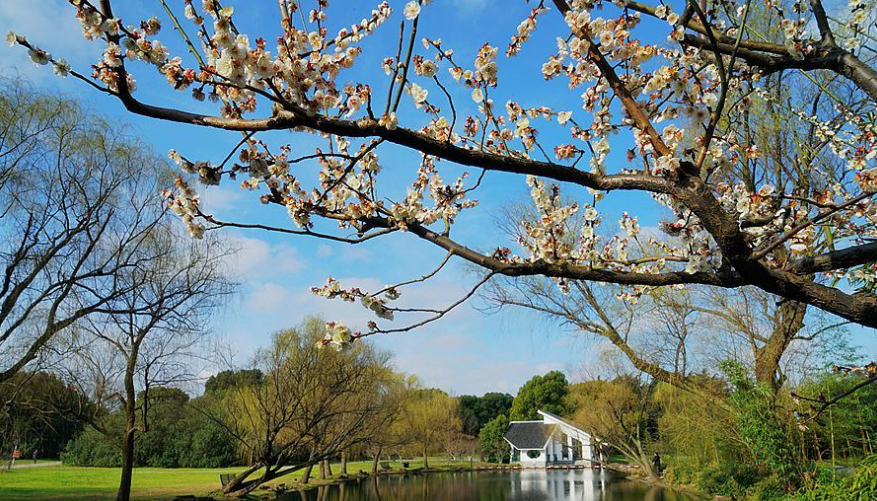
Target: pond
[{"x": 524, "y": 485}]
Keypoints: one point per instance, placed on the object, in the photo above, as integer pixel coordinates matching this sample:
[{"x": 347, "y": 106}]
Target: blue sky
[{"x": 468, "y": 351}]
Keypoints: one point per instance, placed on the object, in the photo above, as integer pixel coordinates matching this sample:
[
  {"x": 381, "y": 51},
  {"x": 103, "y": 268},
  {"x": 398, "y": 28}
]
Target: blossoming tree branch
[{"x": 806, "y": 231}]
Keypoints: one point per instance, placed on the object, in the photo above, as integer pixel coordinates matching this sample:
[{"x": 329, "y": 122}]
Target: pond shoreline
[
  {"x": 272, "y": 492},
  {"x": 677, "y": 488},
  {"x": 281, "y": 489}
]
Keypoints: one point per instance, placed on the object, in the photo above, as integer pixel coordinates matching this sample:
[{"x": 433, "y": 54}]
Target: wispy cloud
[{"x": 256, "y": 258}]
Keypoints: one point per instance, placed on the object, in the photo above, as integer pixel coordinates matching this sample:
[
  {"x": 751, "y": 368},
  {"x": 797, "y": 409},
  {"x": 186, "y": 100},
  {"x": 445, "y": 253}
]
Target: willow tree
[
  {"x": 621, "y": 412},
  {"x": 632, "y": 68},
  {"x": 312, "y": 405},
  {"x": 428, "y": 417},
  {"x": 78, "y": 201}
]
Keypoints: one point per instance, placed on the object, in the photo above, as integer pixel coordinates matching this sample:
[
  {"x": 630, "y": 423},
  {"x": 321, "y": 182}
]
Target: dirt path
[{"x": 30, "y": 464}]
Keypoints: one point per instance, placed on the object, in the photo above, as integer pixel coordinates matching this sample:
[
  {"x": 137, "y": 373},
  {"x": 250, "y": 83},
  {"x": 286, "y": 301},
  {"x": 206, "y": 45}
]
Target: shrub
[
  {"x": 178, "y": 437},
  {"x": 860, "y": 486},
  {"x": 733, "y": 480},
  {"x": 210, "y": 446},
  {"x": 680, "y": 474},
  {"x": 92, "y": 448},
  {"x": 767, "y": 489}
]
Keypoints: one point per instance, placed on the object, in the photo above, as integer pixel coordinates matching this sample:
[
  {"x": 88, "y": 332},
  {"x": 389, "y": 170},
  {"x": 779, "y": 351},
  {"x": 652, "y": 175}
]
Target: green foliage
[
  {"x": 860, "y": 486},
  {"x": 764, "y": 432},
  {"x": 226, "y": 380},
  {"x": 493, "y": 446},
  {"x": 847, "y": 429},
  {"x": 177, "y": 436},
  {"x": 758, "y": 452},
  {"x": 681, "y": 473},
  {"x": 477, "y": 411},
  {"x": 734, "y": 479},
  {"x": 729, "y": 479},
  {"x": 44, "y": 413},
  {"x": 622, "y": 413},
  {"x": 92, "y": 448},
  {"x": 697, "y": 426},
  {"x": 766, "y": 489},
  {"x": 430, "y": 419},
  {"x": 547, "y": 393}
]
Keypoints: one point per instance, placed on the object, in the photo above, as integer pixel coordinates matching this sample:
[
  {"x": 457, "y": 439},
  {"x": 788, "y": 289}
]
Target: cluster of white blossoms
[
  {"x": 184, "y": 202},
  {"x": 550, "y": 237},
  {"x": 39, "y": 56},
  {"x": 672, "y": 85},
  {"x": 418, "y": 94},
  {"x": 527, "y": 27},
  {"x": 303, "y": 69},
  {"x": 555, "y": 235},
  {"x": 485, "y": 65},
  {"x": 412, "y": 8},
  {"x": 376, "y": 302},
  {"x": 338, "y": 336},
  {"x": 860, "y": 11},
  {"x": 795, "y": 31},
  {"x": 448, "y": 200},
  {"x": 332, "y": 289}
]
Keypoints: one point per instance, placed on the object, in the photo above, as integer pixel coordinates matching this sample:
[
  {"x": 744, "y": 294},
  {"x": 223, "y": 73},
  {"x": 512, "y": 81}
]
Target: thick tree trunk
[
  {"x": 307, "y": 475},
  {"x": 425, "y": 457},
  {"x": 240, "y": 486},
  {"x": 237, "y": 483},
  {"x": 124, "y": 493},
  {"x": 789, "y": 321},
  {"x": 375, "y": 462},
  {"x": 322, "y": 470},
  {"x": 344, "y": 464},
  {"x": 328, "y": 468}
]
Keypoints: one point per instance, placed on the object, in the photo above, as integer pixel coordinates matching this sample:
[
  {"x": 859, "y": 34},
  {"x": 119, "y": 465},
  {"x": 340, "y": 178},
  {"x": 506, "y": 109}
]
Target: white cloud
[
  {"x": 324, "y": 251},
  {"x": 356, "y": 253},
  {"x": 257, "y": 258},
  {"x": 218, "y": 198},
  {"x": 270, "y": 297},
  {"x": 470, "y": 373}
]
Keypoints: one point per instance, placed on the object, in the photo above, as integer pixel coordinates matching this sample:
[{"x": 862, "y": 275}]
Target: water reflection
[
  {"x": 566, "y": 485},
  {"x": 527, "y": 485}
]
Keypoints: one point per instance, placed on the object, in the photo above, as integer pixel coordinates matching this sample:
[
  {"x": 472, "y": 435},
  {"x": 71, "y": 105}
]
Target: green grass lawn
[
  {"x": 69, "y": 483},
  {"x": 56, "y": 483}
]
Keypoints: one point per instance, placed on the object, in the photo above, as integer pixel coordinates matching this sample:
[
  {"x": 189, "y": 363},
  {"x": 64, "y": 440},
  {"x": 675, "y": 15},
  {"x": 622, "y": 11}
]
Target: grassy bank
[{"x": 68, "y": 483}]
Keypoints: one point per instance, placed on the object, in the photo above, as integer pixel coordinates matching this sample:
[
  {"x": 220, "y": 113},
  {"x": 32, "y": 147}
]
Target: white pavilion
[{"x": 550, "y": 441}]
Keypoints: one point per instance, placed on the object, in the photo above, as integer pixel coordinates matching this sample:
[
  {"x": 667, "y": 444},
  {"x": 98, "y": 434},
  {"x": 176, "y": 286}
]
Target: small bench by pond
[{"x": 385, "y": 465}]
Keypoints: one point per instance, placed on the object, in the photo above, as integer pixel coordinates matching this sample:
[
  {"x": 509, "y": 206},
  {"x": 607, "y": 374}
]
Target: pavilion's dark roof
[{"x": 529, "y": 435}]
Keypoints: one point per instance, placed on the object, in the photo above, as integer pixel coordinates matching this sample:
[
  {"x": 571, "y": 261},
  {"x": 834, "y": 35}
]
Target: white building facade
[{"x": 550, "y": 441}]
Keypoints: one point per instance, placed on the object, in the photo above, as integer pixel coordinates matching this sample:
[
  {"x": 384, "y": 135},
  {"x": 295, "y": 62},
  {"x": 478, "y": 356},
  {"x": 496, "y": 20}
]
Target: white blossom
[
  {"x": 418, "y": 94},
  {"x": 412, "y": 10},
  {"x": 39, "y": 56}
]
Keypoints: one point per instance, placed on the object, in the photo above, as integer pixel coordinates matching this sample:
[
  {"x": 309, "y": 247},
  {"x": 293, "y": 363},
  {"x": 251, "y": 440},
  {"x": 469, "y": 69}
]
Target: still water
[{"x": 526, "y": 485}]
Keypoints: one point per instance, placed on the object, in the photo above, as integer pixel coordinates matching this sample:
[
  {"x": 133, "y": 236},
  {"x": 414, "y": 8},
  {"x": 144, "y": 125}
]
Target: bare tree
[
  {"x": 152, "y": 334},
  {"x": 78, "y": 201}
]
